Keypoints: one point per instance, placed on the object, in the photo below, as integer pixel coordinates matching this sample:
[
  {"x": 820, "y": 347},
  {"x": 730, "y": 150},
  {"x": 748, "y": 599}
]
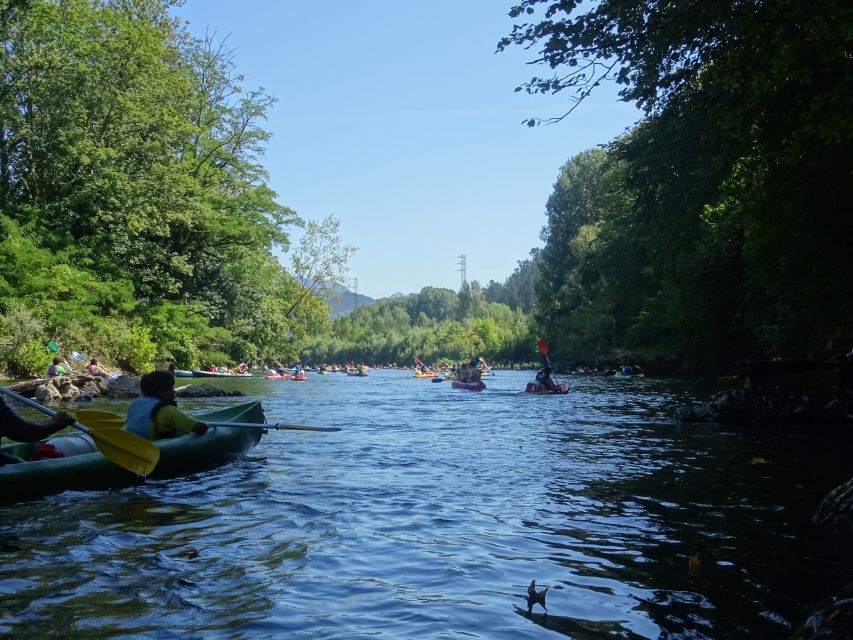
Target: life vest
[
  {"x": 140, "y": 414},
  {"x": 51, "y": 371}
]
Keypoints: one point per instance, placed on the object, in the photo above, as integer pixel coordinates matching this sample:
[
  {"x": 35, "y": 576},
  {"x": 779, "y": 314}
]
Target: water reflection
[{"x": 428, "y": 516}]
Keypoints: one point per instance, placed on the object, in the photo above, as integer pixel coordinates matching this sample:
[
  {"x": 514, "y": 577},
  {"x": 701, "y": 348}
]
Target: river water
[{"x": 429, "y": 515}]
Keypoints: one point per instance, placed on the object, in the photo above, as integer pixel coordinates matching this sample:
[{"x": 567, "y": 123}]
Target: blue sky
[{"x": 399, "y": 119}]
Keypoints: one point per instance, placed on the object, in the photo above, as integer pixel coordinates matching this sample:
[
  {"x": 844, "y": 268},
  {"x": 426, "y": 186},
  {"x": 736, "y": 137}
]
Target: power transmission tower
[
  {"x": 354, "y": 294},
  {"x": 462, "y": 267}
]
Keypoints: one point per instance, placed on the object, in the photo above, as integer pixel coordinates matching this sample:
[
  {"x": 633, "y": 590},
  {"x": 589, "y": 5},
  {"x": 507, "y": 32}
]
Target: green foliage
[
  {"x": 518, "y": 291},
  {"x": 135, "y": 212},
  {"x": 717, "y": 229},
  {"x": 30, "y": 359},
  {"x": 137, "y": 350},
  {"x": 400, "y": 329}
]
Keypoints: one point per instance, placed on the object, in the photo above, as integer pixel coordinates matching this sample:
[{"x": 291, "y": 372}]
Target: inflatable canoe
[{"x": 93, "y": 471}]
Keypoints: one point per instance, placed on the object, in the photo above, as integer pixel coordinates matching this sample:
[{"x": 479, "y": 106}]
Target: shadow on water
[{"x": 575, "y": 628}]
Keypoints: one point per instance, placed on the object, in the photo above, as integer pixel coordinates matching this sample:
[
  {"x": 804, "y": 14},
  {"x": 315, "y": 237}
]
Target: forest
[
  {"x": 718, "y": 229},
  {"x": 136, "y": 220},
  {"x": 137, "y": 223}
]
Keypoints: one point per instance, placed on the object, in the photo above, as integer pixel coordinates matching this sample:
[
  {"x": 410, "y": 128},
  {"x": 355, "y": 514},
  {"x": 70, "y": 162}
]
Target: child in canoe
[{"x": 155, "y": 413}]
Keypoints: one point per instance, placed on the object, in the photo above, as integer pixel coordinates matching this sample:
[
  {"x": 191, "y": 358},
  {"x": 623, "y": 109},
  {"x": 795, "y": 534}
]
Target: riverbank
[{"x": 85, "y": 388}]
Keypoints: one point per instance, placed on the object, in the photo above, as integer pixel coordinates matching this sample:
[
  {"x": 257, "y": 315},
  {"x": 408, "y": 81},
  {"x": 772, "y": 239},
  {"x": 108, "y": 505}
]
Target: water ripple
[{"x": 429, "y": 515}]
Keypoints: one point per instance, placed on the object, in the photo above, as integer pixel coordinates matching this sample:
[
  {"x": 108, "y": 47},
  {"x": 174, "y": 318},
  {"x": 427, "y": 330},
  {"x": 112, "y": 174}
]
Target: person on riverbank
[
  {"x": 94, "y": 368},
  {"x": 155, "y": 414},
  {"x": 14, "y": 427},
  {"x": 56, "y": 368}
]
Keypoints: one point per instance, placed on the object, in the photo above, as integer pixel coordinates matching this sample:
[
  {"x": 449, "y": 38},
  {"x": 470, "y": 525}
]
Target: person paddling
[
  {"x": 155, "y": 413},
  {"x": 470, "y": 372},
  {"x": 14, "y": 427},
  {"x": 543, "y": 377}
]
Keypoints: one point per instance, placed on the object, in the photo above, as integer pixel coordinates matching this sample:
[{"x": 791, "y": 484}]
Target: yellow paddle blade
[
  {"x": 100, "y": 419},
  {"x": 127, "y": 450}
]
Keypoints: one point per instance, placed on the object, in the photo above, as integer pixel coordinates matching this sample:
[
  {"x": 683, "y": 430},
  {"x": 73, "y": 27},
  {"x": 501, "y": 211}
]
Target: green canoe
[{"x": 92, "y": 471}]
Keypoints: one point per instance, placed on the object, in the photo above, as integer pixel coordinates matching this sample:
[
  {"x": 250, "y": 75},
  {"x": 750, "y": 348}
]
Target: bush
[
  {"x": 137, "y": 350},
  {"x": 27, "y": 360}
]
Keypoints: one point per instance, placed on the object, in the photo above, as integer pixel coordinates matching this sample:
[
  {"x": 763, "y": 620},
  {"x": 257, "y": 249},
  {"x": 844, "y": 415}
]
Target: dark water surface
[{"x": 429, "y": 515}]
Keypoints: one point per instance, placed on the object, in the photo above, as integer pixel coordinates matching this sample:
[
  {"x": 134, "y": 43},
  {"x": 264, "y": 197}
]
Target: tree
[
  {"x": 320, "y": 263},
  {"x": 471, "y": 300},
  {"x": 437, "y": 303},
  {"x": 519, "y": 289},
  {"x": 737, "y": 182}
]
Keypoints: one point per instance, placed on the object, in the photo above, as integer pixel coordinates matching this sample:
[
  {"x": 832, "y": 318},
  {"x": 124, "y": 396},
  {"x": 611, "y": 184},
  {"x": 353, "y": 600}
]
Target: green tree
[{"x": 737, "y": 181}]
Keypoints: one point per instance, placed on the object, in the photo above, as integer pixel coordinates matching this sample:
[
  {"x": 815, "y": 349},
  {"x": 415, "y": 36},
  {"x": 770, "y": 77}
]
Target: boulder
[
  {"x": 47, "y": 393},
  {"x": 834, "y": 514},
  {"x": 750, "y": 406},
  {"x": 204, "y": 391},
  {"x": 832, "y": 621},
  {"x": 124, "y": 387}
]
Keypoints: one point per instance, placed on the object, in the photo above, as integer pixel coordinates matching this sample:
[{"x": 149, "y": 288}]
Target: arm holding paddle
[
  {"x": 16, "y": 428},
  {"x": 121, "y": 447}
]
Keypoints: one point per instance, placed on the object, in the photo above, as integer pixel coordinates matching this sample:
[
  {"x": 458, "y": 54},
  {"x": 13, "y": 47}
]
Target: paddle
[
  {"x": 438, "y": 379},
  {"x": 107, "y": 420},
  {"x": 125, "y": 449},
  {"x": 543, "y": 349}
]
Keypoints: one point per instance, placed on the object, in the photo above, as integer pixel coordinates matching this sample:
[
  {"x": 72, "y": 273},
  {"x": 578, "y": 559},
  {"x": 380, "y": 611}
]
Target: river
[{"x": 429, "y": 515}]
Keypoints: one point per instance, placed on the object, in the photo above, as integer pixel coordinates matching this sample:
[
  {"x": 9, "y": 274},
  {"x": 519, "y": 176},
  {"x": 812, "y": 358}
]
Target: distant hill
[{"x": 346, "y": 302}]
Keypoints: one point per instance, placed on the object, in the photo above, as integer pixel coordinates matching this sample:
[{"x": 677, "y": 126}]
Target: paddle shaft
[
  {"x": 40, "y": 407},
  {"x": 106, "y": 420},
  {"x": 274, "y": 425}
]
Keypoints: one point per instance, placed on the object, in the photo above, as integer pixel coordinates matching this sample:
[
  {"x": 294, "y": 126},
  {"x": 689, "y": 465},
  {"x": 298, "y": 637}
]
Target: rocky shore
[
  {"x": 814, "y": 395},
  {"x": 780, "y": 393},
  {"x": 85, "y": 387}
]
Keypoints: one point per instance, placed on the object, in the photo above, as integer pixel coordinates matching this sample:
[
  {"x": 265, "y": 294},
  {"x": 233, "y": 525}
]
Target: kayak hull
[
  {"x": 181, "y": 456},
  {"x": 539, "y": 390},
  {"x": 479, "y": 385}
]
